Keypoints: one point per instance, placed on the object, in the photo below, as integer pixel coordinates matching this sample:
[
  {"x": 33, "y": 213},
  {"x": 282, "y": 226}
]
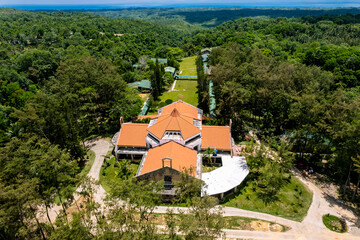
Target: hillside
[{"x": 211, "y": 17}]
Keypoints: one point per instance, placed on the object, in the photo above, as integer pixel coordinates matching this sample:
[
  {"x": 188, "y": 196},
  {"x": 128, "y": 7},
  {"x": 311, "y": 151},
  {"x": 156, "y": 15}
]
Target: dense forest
[
  {"x": 63, "y": 79},
  {"x": 192, "y": 19},
  {"x": 296, "y": 79}
]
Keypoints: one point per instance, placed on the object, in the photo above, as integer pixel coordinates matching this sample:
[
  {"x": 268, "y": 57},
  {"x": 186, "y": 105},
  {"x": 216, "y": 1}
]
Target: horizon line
[{"x": 220, "y": 5}]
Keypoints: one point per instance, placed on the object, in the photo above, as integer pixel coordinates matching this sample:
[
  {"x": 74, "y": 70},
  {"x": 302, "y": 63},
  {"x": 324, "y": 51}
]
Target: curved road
[{"x": 310, "y": 228}]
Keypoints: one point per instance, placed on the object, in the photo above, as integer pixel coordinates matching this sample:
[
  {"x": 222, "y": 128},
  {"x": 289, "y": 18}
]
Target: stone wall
[{"x": 159, "y": 174}]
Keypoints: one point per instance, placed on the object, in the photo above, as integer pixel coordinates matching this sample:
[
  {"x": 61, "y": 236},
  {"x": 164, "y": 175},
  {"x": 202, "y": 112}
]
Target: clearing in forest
[
  {"x": 187, "y": 88},
  {"x": 188, "y": 66}
]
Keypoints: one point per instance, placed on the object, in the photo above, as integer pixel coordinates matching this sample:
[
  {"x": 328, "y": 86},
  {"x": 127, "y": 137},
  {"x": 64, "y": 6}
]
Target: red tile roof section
[
  {"x": 147, "y": 116},
  {"x": 182, "y": 107},
  {"x": 133, "y": 135},
  {"x": 218, "y": 137},
  {"x": 182, "y": 157},
  {"x": 174, "y": 121}
]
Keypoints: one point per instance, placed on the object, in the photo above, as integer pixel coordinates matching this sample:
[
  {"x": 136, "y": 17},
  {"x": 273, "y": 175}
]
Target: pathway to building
[
  {"x": 310, "y": 228},
  {"x": 173, "y": 86},
  {"x": 100, "y": 148}
]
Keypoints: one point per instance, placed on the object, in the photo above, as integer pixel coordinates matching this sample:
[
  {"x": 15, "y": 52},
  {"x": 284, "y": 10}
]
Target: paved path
[
  {"x": 311, "y": 228},
  {"x": 173, "y": 86},
  {"x": 100, "y": 147}
]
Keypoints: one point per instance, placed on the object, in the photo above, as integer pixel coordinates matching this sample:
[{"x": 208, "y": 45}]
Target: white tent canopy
[{"x": 230, "y": 175}]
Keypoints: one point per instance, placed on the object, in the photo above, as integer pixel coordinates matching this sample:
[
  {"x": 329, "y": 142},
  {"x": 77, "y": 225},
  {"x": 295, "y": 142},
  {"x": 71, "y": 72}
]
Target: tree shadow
[
  {"x": 267, "y": 198},
  {"x": 335, "y": 202}
]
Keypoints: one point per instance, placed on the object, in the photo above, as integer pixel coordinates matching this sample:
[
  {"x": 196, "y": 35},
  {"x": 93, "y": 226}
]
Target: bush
[{"x": 169, "y": 101}]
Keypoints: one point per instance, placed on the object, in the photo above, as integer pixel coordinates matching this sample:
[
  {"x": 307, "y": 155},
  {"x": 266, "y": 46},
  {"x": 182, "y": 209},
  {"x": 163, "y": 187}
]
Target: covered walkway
[
  {"x": 184, "y": 77},
  {"x": 226, "y": 178}
]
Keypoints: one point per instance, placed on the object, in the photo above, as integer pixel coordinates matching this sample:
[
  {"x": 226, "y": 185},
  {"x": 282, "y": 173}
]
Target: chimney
[{"x": 230, "y": 124}]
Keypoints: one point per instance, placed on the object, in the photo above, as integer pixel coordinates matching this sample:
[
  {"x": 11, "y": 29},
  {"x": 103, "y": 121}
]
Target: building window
[
  {"x": 168, "y": 182},
  {"x": 175, "y": 135}
]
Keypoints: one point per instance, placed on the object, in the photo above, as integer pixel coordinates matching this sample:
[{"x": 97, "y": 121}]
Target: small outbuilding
[
  {"x": 160, "y": 60},
  {"x": 143, "y": 85}
]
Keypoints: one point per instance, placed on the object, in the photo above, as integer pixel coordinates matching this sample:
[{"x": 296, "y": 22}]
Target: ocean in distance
[{"x": 276, "y": 4}]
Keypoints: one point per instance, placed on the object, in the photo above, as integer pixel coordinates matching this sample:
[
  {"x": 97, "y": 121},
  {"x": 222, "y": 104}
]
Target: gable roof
[
  {"x": 182, "y": 107},
  {"x": 182, "y": 157},
  {"x": 134, "y": 84},
  {"x": 218, "y": 137},
  {"x": 132, "y": 135},
  {"x": 145, "y": 84},
  {"x": 160, "y": 60},
  {"x": 170, "y": 69},
  {"x": 174, "y": 121}
]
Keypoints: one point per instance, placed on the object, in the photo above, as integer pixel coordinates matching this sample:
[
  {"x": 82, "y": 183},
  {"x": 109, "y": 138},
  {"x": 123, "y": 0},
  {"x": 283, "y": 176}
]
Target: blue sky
[{"x": 150, "y": 3}]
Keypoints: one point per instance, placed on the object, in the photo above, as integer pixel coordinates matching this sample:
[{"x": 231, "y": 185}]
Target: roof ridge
[
  {"x": 177, "y": 120},
  {"x": 175, "y": 112},
  {"x": 212, "y": 126},
  {"x": 131, "y": 123}
]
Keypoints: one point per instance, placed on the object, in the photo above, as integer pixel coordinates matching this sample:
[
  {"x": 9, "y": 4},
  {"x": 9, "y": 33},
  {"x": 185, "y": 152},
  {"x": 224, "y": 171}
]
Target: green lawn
[
  {"x": 187, "y": 88},
  {"x": 114, "y": 172},
  {"x": 293, "y": 202},
  {"x": 188, "y": 66}
]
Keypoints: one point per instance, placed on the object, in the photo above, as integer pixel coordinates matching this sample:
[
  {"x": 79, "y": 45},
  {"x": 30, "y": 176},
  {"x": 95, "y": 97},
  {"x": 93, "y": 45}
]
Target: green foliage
[
  {"x": 62, "y": 80},
  {"x": 34, "y": 172},
  {"x": 168, "y": 79},
  {"x": 156, "y": 79},
  {"x": 188, "y": 186},
  {"x": 334, "y": 224},
  {"x": 203, "y": 85},
  {"x": 87, "y": 97},
  {"x": 202, "y": 222},
  {"x": 114, "y": 172},
  {"x": 190, "y": 19},
  {"x": 36, "y": 65},
  {"x": 271, "y": 178}
]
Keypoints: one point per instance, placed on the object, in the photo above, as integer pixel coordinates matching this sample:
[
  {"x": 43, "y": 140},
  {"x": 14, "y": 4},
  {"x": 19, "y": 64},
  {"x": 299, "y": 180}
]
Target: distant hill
[{"x": 214, "y": 16}]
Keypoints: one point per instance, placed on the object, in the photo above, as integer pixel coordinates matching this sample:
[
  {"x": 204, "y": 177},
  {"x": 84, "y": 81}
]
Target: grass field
[
  {"x": 293, "y": 202},
  {"x": 186, "y": 88},
  {"x": 188, "y": 66}
]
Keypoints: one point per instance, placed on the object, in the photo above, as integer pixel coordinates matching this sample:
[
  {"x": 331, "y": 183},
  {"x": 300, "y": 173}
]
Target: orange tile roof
[
  {"x": 218, "y": 137},
  {"x": 147, "y": 116},
  {"x": 182, "y": 157},
  {"x": 182, "y": 107},
  {"x": 133, "y": 135},
  {"x": 174, "y": 121}
]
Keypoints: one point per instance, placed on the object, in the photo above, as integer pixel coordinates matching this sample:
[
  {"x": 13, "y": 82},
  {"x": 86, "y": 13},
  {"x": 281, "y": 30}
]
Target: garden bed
[{"x": 334, "y": 223}]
